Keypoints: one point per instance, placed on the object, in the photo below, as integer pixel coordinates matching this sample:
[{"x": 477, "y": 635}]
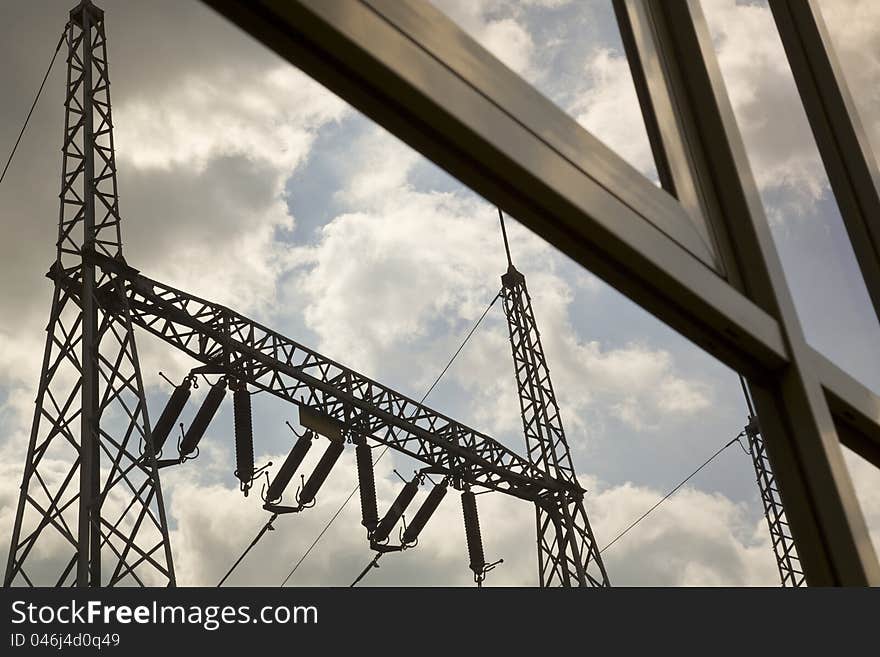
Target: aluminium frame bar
[
  {"x": 804, "y": 449},
  {"x": 840, "y": 136}
]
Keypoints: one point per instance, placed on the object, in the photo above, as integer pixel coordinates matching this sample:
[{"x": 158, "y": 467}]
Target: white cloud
[
  {"x": 381, "y": 280},
  {"x": 271, "y": 118},
  {"x": 693, "y": 539},
  {"x": 768, "y": 110},
  {"x": 853, "y": 29},
  {"x": 232, "y": 152},
  {"x": 758, "y": 79},
  {"x": 497, "y": 26},
  {"x": 389, "y": 287},
  {"x": 608, "y": 108}
]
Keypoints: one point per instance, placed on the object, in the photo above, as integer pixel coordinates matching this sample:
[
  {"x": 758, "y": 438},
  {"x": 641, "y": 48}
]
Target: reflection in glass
[
  {"x": 572, "y": 53},
  {"x": 816, "y": 254},
  {"x": 854, "y": 27}
]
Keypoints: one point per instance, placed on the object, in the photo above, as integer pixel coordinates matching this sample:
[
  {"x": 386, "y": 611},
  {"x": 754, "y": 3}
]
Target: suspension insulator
[
  {"x": 472, "y": 533},
  {"x": 319, "y": 474},
  {"x": 289, "y": 467},
  {"x": 170, "y": 414},
  {"x": 244, "y": 434},
  {"x": 203, "y": 418},
  {"x": 367, "y": 483},
  {"x": 415, "y": 527},
  {"x": 406, "y": 495}
]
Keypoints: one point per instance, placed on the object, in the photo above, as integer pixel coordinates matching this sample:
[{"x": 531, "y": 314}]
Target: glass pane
[
  {"x": 572, "y": 53},
  {"x": 817, "y": 257},
  {"x": 287, "y": 205},
  {"x": 866, "y": 480},
  {"x": 854, "y": 27}
]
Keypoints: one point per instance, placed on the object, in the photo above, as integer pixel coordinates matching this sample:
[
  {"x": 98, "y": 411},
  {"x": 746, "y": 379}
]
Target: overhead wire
[
  {"x": 259, "y": 535},
  {"x": 632, "y": 525},
  {"x": 374, "y": 562},
  {"x": 332, "y": 519},
  {"x": 673, "y": 491},
  {"x": 751, "y": 410},
  {"x": 385, "y": 449},
  {"x": 33, "y": 105},
  {"x": 268, "y": 525}
]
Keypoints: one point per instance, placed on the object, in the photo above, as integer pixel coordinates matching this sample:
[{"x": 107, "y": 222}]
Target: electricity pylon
[
  {"x": 90, "y": 478},
  {"x": 567, "y": 551},
  {"x": 791, "y": 573}
]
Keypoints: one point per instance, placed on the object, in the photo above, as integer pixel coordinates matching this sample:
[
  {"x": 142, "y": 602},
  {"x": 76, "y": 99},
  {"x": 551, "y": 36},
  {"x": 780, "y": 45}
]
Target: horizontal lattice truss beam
[
  {"x": 419, "y": 75},
  {"x": 223, "y": 339}
]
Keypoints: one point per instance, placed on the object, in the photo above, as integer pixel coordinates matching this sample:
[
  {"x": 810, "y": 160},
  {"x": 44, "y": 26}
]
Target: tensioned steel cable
[
  {"x": 383, "y": 452},
  {"x": 259, "y": 535},
  {"x": 373, "y": 564},
  {"x": 672, "y": 492},
  {"x": 33, "y": 105},
  {"x": 267, "y": 526}
]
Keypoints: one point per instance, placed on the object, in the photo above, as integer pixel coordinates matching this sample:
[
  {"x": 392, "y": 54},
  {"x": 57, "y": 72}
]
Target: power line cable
[
  {"x": 381, "y": 454},
  {"x": 374, "y": 563},
  {"x": 672, "y": 492},
  {"x": 33, "y": 105},
  {"x": 385, "y": 449},
  {"x": 259, "y": 535}
]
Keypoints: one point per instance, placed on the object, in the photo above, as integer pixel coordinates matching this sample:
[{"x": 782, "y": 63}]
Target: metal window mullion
[
  {"x": 856, "y": 409},
  {"x": 840, "y": 136},
  {"x": 801, "y": 437},
  {"x": 668, "y": 123}
]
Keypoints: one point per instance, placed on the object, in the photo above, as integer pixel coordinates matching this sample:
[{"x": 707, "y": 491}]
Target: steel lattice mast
[
  {"x": 791, "y": 573},
  {"x": 567, "y": 551},
  {"x": 90, "y": 478}
]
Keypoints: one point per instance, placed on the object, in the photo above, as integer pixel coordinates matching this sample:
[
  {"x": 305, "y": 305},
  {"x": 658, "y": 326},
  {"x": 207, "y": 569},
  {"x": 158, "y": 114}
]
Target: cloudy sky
[{"x": 243, "y": 181}]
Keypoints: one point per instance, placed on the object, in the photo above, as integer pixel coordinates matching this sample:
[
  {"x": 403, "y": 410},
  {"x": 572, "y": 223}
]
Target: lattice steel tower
[
  {"x": 90, "y": 478},
  {"x": 567, "y": 550},
  {"x": 791, "y": 573}
]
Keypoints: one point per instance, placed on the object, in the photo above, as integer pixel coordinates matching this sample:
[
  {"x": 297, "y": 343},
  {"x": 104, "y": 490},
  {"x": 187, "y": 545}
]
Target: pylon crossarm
[{"x": 231, "y": 343}]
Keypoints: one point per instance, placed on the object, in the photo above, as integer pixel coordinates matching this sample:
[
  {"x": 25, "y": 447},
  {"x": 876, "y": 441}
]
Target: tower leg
[
  {"x": 90, "y": 510},
  {"x": 567, "y": 550},
  {"x": 791, "y": 573}
]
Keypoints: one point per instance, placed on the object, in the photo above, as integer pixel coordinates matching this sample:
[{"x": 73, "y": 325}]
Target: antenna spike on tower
[{"x": 504, "y": 235}]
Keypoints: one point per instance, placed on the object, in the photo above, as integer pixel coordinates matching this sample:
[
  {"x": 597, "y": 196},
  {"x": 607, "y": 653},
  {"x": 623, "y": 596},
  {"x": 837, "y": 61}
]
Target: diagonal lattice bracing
[
  {"x": 791, "y": 572},
  {"x": 567, "y": 550},
  {"x": 90, "y": 510},
  {"x": 229, "y": 343}
]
